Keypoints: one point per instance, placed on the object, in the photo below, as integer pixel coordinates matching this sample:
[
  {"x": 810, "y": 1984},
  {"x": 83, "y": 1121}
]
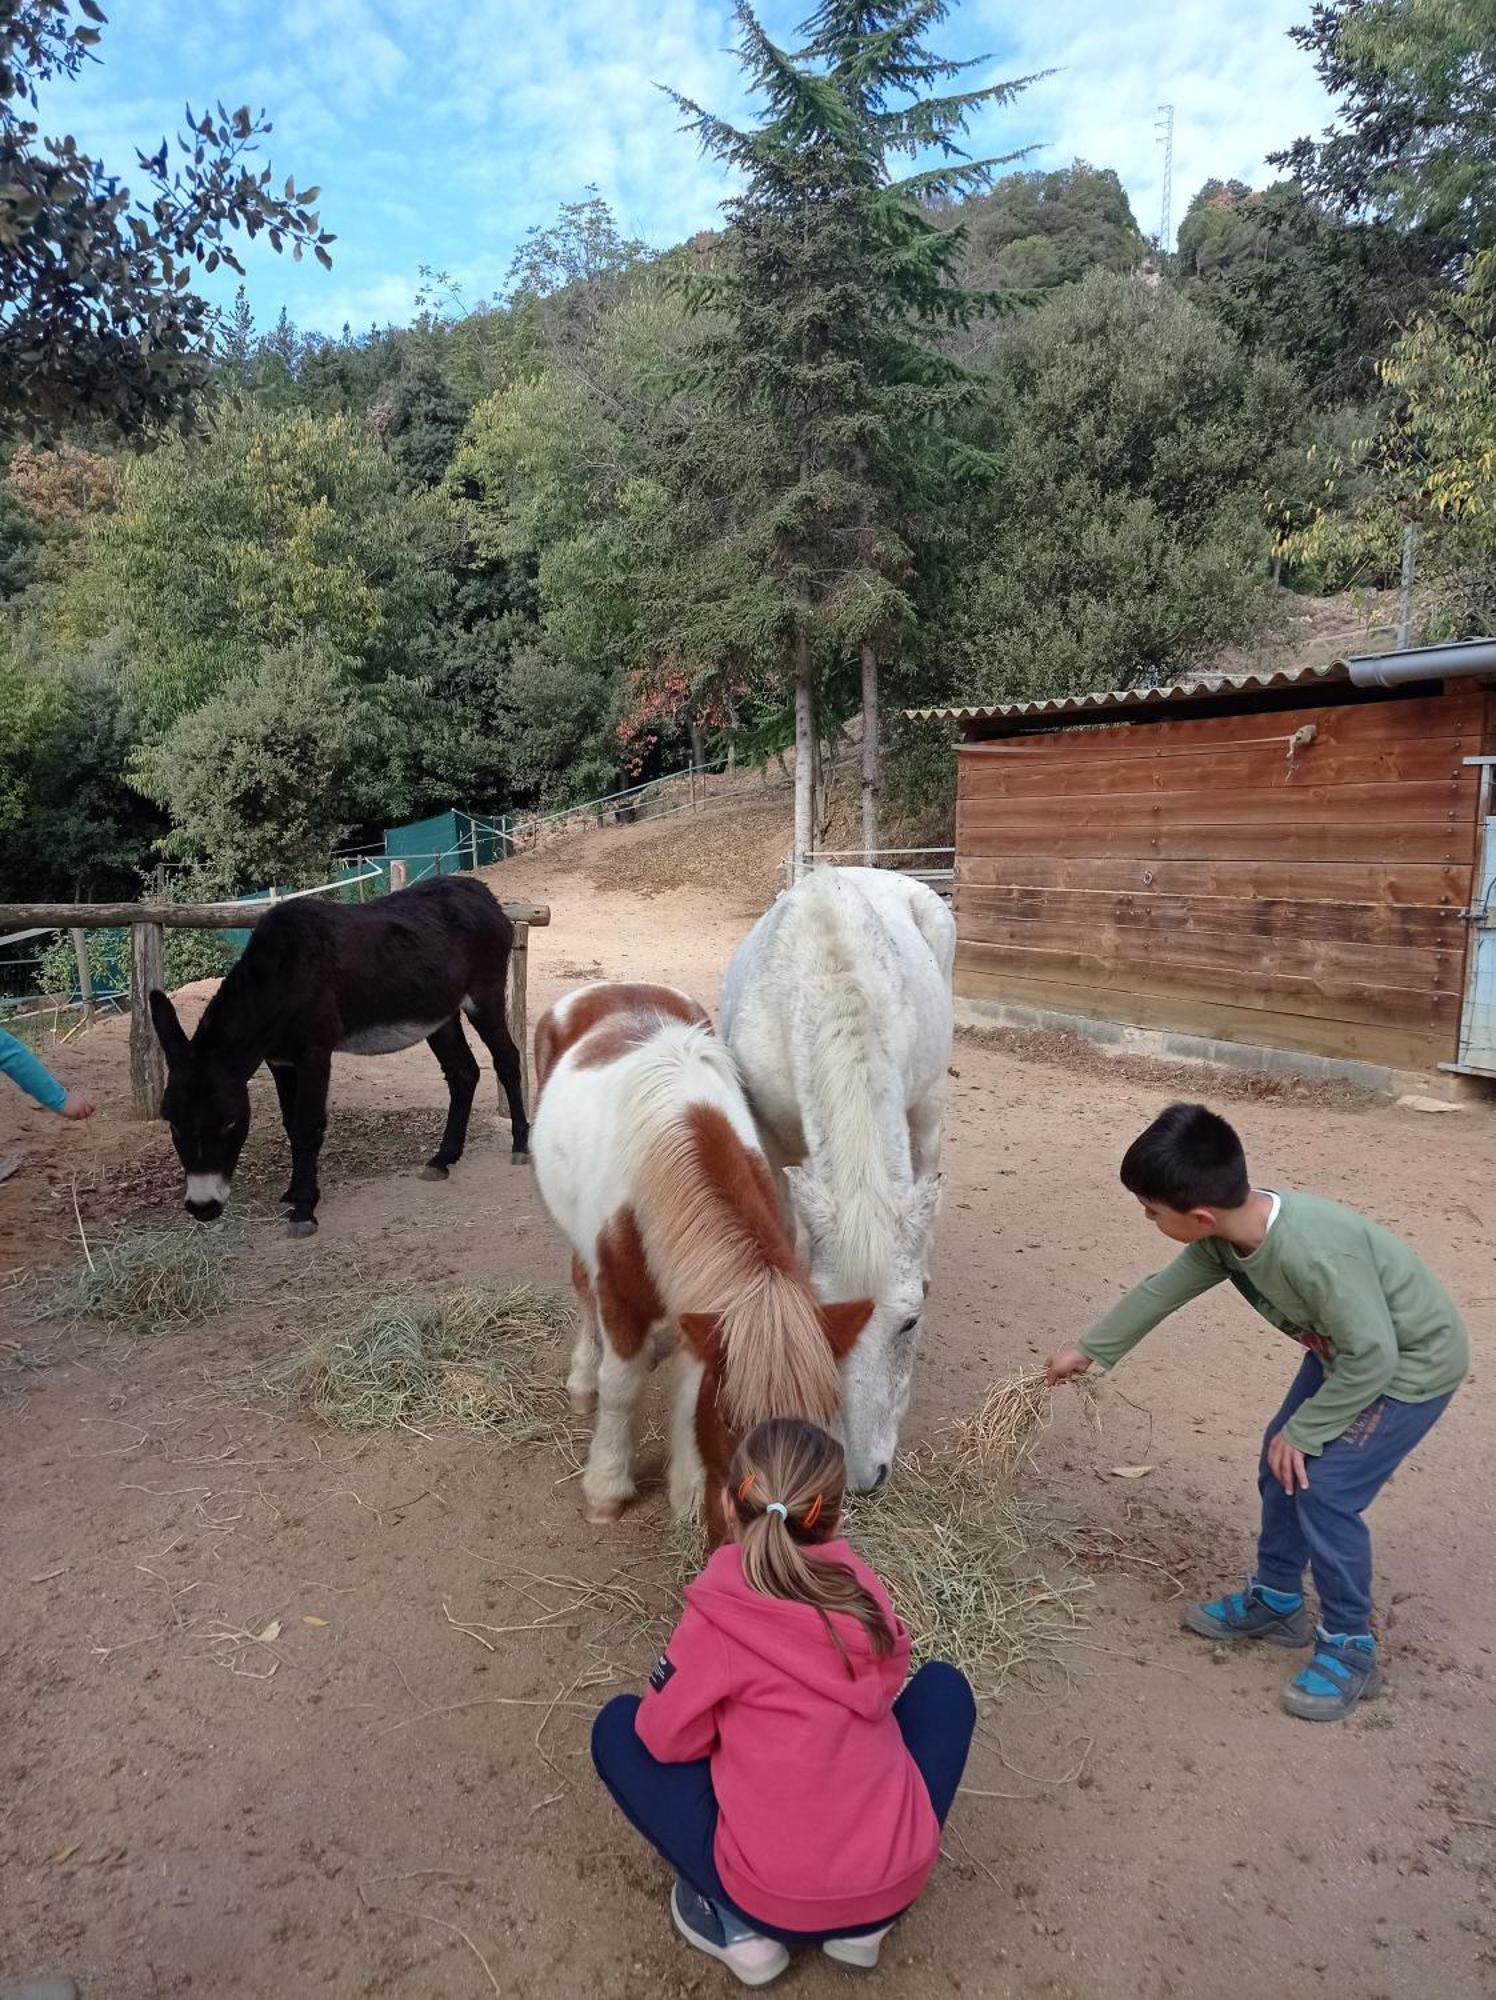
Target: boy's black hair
[{"x": 1188, "y": 1158}]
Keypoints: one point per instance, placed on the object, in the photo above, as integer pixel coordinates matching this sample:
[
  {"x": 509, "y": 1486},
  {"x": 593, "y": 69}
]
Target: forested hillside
[{"x": 522, "y": 550}]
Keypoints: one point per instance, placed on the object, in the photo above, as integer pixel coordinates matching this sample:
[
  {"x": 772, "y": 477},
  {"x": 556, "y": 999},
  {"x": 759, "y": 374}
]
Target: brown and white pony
[{"x": 647, "y": 1157}]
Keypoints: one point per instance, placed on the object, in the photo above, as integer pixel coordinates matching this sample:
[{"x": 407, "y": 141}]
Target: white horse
[{"x": 837, "y": 1007}]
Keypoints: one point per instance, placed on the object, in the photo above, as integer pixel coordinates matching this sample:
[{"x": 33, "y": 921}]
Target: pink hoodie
[{"x": 824, "y": 1821}]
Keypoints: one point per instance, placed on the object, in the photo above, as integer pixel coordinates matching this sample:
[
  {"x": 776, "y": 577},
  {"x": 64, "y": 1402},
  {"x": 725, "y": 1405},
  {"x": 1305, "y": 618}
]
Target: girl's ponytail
[{"x": 786, "y": 1485}]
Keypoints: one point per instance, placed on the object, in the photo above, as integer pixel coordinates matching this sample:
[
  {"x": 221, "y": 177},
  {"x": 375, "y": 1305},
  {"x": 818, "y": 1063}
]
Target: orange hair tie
[
  {"x": 746, "y": 1486},
  {"x": 812, "y": 1513}
]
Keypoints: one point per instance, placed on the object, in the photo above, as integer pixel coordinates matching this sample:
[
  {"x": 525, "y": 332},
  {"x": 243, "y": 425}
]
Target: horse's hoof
[
  {"x": 520, "y": 1157},
  {"x": 603, "y": 1513},
  {"x": 298, "y": 1230},
  {"x": 432, "y": 1172}
]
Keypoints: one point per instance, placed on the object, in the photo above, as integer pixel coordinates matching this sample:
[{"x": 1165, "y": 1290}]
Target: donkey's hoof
[
  {"x": 432, "y": 1172},
  {"x": 603, "y": 1513},
  {"x": 298, "y": 1230},
  {"x": 520, "y": 1157}
]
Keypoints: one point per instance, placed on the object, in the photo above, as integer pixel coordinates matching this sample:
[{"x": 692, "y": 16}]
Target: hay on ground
[
  {"x": 967, "y": 1567},
  {"x": 477, "y": 1359},
  {"x": 143, "y": 1281},
  {"x": 361, "y": 1145}
]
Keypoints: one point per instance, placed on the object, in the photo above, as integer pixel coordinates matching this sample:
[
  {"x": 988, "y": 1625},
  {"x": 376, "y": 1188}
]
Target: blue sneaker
[
  {"x": 1344, "y": 1670},
  {"x": 1277, "y": 1617},
  {"x": 723, "y": 1935}
]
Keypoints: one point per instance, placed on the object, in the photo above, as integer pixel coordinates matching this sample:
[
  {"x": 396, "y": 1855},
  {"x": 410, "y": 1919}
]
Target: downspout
[{"x": 1459, "y": 660}]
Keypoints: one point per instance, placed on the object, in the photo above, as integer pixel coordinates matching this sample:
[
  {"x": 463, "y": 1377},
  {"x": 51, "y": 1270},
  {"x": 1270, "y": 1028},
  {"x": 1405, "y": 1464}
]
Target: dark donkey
[{"x": 365, "y": 979}]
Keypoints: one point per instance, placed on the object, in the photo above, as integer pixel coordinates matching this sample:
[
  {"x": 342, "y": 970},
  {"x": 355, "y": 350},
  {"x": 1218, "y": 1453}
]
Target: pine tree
[{"x": 830, "y": 293}]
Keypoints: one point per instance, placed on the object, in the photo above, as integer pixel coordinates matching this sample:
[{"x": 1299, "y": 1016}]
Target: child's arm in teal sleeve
[
  {"x": 1192, "y": 1272},
  {"x": 21, "y": 1066}
]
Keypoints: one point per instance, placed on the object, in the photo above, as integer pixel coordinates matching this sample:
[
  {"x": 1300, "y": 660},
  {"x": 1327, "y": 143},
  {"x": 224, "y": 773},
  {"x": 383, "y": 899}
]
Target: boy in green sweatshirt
[{"x": 1385, "y": 1352}]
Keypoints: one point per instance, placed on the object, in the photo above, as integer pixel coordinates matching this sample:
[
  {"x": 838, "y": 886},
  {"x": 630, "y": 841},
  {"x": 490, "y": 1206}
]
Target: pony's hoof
[
  {"x": 603, "y": 1513},
  {"x": 298, "y": 1230},
  {"x": 432, "y": 1172},
  {"x": 520, "y": 1157}
]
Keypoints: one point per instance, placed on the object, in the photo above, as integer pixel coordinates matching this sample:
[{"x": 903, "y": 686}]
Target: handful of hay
[
  {"x": 474, "y": 1359},
  {"x": 144, "y": 1281},
  {"x": 1003, "y": 1433}
]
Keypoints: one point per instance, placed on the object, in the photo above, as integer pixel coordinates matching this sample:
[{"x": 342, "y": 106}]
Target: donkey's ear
[
  {"x": 169, "y": 1030},
  {"x": 702, "y": 1333},
  {"x": 844, "y": 1322}
]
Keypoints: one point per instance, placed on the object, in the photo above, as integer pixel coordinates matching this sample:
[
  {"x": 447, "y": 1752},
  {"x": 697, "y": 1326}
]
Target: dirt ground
[{"x": 376, "y": 1801}]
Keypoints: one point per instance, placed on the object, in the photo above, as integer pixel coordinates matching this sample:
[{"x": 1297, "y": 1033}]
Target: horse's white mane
[{"x": 846, "y": 1083}]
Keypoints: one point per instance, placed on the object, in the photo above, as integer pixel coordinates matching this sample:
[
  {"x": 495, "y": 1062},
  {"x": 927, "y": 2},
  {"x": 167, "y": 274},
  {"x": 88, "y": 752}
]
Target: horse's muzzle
[{"x": 205, "y": 1211}]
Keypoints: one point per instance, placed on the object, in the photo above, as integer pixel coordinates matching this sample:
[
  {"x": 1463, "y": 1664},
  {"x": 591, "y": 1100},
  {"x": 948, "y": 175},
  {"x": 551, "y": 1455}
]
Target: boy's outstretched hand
[
  {"x": 1063, "y": 1363},
  {"x": 1286, "y": 1464}
]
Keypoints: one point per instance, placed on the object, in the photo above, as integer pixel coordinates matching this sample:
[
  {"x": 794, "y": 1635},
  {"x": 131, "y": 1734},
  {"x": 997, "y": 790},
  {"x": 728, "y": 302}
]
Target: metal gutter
[{"x": 1458, "y": 660}]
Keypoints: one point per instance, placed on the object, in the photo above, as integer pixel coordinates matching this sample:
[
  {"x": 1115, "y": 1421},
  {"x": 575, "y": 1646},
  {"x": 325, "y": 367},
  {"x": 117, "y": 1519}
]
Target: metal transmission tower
[{"x": 1164, "y": 131}]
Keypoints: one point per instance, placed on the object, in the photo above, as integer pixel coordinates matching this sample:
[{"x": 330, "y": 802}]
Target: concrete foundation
[{"x": 1163, "y": 1045}]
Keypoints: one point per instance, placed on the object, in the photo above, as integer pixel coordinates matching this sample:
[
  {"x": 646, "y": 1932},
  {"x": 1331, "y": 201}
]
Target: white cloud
[
  {"x": 1240, "y": 89},
  {"x": 440, "y": 130}
]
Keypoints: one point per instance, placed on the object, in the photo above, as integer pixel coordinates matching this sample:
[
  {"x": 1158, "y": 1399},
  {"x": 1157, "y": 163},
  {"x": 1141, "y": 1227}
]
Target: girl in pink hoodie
[{"x": 774, "y": 1763}]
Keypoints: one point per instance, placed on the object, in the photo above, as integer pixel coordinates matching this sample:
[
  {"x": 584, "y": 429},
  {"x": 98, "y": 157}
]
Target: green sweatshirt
[{"x": 1380, "y": 1321}]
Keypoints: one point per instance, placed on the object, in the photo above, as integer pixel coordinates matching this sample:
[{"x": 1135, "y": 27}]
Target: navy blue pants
[
  {"x": 1322, "y": 1525},
  {"x": 675, "y": 1808}
]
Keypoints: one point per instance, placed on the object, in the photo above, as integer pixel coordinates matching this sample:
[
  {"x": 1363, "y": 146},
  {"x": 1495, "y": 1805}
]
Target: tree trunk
[
  {"x": 871, "y": 777},
  {"x": 805, "y": 759}
]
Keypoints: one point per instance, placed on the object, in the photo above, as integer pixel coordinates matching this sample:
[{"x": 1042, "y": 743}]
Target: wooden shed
[{"x": 1300, "y": 861}]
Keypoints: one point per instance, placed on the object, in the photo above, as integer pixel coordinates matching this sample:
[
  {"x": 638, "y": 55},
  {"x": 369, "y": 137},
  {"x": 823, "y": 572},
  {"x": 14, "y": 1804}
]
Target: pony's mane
[
  {"x": 707, "y": 1210},
  {"x": 846, "y": 1074}
]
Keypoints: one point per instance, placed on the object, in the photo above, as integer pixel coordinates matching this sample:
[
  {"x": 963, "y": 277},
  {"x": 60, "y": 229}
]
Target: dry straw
[
  {"x": 143, "y": 1281},
  {"x": 475, "y": 1359},
  {"x": 979, "y": 1577},
  {"x": 1002, "y": 1435}
]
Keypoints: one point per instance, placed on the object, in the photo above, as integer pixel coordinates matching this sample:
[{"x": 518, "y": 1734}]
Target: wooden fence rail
[{"x": 147, "y": 921}]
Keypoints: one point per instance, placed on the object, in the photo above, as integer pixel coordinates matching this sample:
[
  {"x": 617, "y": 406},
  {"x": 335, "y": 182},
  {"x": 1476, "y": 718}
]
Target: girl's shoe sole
[
  {"x": 852, "y": 1951},
  {"x": 722, "y": 1953}
]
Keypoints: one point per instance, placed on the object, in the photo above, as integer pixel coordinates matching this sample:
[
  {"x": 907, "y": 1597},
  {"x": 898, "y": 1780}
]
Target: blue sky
[{"x": 439, "y": 130}]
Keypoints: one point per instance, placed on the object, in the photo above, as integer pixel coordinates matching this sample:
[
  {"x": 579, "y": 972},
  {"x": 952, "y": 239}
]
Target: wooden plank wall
[{"x": 1189, "y": 875}]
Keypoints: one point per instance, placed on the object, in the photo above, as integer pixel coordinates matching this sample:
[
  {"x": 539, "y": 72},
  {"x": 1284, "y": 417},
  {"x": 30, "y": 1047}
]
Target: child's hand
[
  {"x": 1286, "y": 1465},
  {"x": 1063, "y": 1363},
  {"x": 76, "y": 1106}
]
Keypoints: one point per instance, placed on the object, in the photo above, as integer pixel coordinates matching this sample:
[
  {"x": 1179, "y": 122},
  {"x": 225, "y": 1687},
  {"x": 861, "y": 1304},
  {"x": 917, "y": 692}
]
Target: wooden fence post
[
  {"x": 519, "y": 973},
  {"x": 147, "y": 1064},
  {"x": 85, "y": 972}
]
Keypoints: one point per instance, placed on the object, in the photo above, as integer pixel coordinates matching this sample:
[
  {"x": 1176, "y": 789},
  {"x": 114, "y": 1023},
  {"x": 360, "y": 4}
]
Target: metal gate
[{"x": 1478, "y": 1018}]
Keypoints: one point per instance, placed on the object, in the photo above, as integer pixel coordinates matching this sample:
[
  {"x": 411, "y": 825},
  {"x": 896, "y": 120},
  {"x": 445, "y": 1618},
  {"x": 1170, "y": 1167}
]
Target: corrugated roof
[{"x": 1196, "y": 688}]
